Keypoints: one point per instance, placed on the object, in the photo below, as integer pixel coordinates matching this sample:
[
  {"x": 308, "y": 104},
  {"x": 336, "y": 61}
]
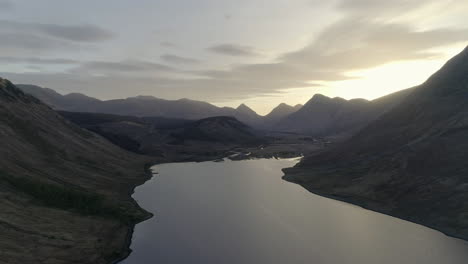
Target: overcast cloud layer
[{"x": 215, "y": 52}]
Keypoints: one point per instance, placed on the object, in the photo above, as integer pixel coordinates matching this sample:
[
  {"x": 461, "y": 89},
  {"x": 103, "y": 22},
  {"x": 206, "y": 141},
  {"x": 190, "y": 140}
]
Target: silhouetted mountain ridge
[
  {"x": 325, "y": 116},
  {"x": 140, "y": 106},
  {"x": 320, "y": 116},
  {"x": 281, "y": 111}
]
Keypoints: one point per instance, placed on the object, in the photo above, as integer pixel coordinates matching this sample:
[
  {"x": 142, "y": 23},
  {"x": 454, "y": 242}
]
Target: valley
[
  {"x": 402, "y": 155},
  {"x": 234, "y": 132}
]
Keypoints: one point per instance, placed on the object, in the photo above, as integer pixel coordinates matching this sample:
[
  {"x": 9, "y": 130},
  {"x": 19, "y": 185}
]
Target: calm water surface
[{"x": 242, "y": 212}]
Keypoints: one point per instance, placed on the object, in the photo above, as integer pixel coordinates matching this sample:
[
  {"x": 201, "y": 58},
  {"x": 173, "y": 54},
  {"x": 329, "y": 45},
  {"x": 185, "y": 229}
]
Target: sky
[{"x": 226, "y": 52}]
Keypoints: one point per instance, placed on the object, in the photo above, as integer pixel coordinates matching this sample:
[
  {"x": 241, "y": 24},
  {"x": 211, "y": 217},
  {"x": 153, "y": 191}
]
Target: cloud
[
  {"x": 74, "y": 33},
  {"x": 178, "y": 59},
  {"x": 82, "y": 33},
  {"x": 15, "y": 42},
  {"x": 128, "y": 66},
  {"x": 353, "y": 44},
  {"x": 18, "y": 39},
  {"x": 379, "y": 8},
  {"x": 366, "y": 35},
  {"x": 233, "y": 50},
  {"x": 35, "y": 60},
  {"x": 5, "y": 5},
  {"x": 168, "y": 44}
]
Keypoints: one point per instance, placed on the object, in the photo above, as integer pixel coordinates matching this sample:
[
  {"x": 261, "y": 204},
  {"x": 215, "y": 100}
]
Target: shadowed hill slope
[
  {"x": 173, "y": 139},
  {"x": 411, "y": 162},
  {"x": 222, "y": 129},
  {"x": 65, "y": 192}
]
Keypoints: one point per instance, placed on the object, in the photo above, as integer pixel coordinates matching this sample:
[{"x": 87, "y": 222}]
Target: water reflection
[{"x": 242, "y": 212}]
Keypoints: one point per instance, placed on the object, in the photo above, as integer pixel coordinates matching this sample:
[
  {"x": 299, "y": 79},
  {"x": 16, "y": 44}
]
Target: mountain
[
  {"x": 246, "y": 111},
  {"x": 73, "y": 101},
  {"x": 324, "y": 116},
  {"x": 411, "y": 162},
  {"x": 140, "y": 106},
  {"x": 65, "y": 192},
  {"x": 247, "y": 115},
  {"x": 220, "y": 129},
  {"x": 171, "y": 139},
  {"x": 320, "y": 116},
  {"x": 281, "y": 111}
]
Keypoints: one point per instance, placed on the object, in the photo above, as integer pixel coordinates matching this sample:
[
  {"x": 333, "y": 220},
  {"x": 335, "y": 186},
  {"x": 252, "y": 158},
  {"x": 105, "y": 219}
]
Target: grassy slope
[{"x": 64, "y": 191}]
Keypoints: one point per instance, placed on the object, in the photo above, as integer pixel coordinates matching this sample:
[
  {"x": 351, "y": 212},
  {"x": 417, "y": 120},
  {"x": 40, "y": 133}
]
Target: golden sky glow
[
  {"x": 368, "y": 84},
  {"x": 258, "y": 52}
]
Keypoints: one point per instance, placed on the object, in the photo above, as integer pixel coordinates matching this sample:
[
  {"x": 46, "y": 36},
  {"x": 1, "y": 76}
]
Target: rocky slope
[
  {"x": 411, "y": 162},
  {"x": 65, "y": 192}
]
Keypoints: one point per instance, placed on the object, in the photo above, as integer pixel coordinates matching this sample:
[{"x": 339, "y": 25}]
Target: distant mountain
[
  {"x": 320, "y": 116},
  {"x": 58, "y": 182},
  {"x": 247, "y": 111},
  {"x": 324, "y": 116},
  {"x": 174, "y": 139},
  {"x": 281, "y": 111},
  {"x": 247, "y": 115},
  {"x": 411, "y": 162},
  {"x": 72, "y": 102},
  {"x": 140, "y": 106}
]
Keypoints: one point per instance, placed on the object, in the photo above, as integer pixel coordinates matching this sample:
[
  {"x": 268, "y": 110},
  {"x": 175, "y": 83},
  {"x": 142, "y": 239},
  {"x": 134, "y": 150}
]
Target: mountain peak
[
  {"x": 281, "y": 111},
  {"x": 244, "y": 108},
  {"x": 320, "y": 97},
  {"x": 144, "y": 97}
]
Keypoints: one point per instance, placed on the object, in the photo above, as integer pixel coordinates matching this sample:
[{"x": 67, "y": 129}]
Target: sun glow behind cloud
[
  {"x": 382, "y": 80},
  {"x": 368, "y": 84}
]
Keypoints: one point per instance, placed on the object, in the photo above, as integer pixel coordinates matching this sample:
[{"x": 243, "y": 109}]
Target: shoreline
[
  {"x": 366, "y": 204},
  {"x": 126, "y": 250},
  {"x": 355, "y": 201}
]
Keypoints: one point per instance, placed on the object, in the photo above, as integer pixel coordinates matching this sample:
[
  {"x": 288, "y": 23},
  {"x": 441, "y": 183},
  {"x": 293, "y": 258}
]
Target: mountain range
[
  {"x": 141, "y": 106},
  {"x": 411, "y": 162},
  {"x": 324, "y": 116},
  {"x": 320, "y": 116}
]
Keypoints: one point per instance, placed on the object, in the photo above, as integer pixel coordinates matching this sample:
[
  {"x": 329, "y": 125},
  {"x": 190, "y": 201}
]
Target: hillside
[
  {"x": 324, "y": 116},
  {"x": 411, "y": 162},
  {"x": 65, "y": 192},
  {"x": 221, "y": 129},
  {"x": 171, "y": 139}
]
